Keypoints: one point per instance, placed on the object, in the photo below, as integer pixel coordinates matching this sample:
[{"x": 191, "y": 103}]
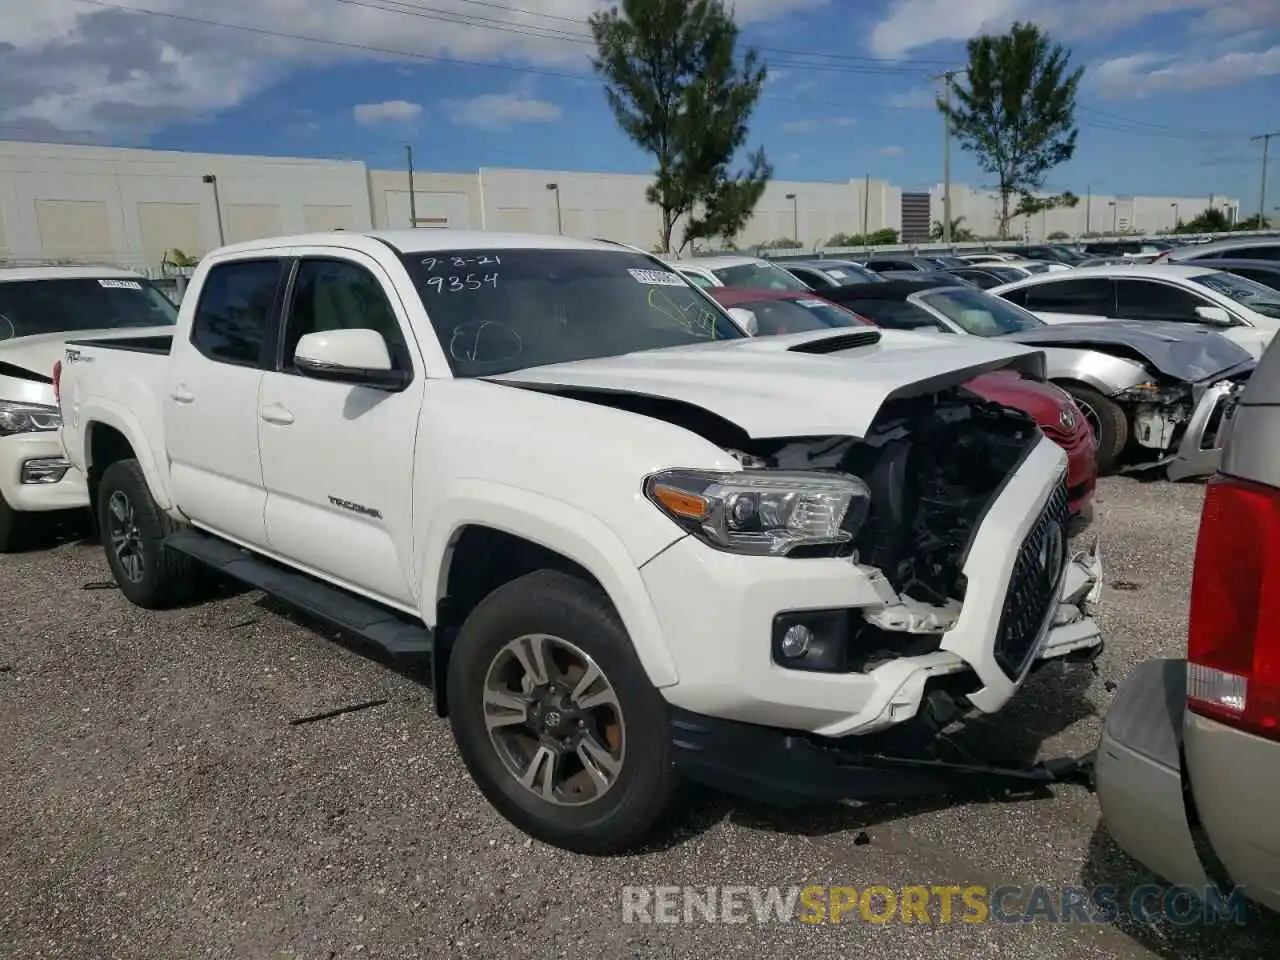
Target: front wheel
[
  {"x": 555, "y": 718},
  {"x": 132, "y": 530},
  {"x": 1109, "y": 422}
]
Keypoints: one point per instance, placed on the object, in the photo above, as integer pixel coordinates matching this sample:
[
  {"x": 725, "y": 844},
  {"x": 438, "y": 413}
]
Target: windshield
[
  {"x": 1003, "y": 274},
  {"x": 799, "y": 316},
  {"x": 1248, "y": 293},
  {"x": 846, "y": 273},
  {"x": 1067, "y": 255},
  {"x": 29, "y": 308},
  {"x": 979, "y": 313},
  {"x": 759, "y": 276},
  {"x": 495, "y": 311}
]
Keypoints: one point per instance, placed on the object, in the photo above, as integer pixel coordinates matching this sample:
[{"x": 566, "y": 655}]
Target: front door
[{"x": 338, "y": 460}]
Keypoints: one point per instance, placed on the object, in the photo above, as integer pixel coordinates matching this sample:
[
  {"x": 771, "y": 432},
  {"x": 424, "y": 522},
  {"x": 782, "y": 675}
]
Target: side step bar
[{"x": 371, "y": 622}]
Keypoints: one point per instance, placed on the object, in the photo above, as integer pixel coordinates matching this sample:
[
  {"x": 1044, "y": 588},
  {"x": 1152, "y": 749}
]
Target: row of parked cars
[{"x": 631, "y": 528}]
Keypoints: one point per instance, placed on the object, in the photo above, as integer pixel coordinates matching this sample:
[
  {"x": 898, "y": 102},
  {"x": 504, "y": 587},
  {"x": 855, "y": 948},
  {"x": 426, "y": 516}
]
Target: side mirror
[
  {"x": 357, "y": 357},
  {"x": 1216, "y": 315},
  {"x": 745, "y": 319}
]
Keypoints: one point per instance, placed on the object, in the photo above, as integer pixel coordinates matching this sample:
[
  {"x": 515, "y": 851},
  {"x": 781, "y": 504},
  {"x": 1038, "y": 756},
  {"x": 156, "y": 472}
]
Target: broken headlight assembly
[
  {"x": 762, "y": 512},
  {"x": 1157, "y": 393},
  {"x": 27, "y": 418}
]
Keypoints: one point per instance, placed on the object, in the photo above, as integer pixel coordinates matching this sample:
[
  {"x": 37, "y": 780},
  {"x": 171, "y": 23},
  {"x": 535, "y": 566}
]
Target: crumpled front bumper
[
  {"x": 1074, "y": 629},
  {"x": 1200, "y": 449}
]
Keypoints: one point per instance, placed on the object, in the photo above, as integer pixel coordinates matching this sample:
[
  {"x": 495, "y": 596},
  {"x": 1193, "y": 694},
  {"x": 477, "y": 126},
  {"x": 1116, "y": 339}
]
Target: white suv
[{"x": 40, "y": 307}]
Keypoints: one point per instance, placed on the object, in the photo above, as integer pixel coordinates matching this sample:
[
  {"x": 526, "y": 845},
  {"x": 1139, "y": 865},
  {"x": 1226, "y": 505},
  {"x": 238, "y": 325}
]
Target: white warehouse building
[{"x": 136, "y": 207}]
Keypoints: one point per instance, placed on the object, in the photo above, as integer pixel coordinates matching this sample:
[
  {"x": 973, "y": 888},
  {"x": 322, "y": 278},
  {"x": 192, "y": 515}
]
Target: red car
[{"x": 796, "y": 311}]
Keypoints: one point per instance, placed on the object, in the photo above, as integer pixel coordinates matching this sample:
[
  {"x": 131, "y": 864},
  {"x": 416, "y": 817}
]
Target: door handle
[
  {"x": 274, "y": 413},
  {"x": 182, "y": 395}
]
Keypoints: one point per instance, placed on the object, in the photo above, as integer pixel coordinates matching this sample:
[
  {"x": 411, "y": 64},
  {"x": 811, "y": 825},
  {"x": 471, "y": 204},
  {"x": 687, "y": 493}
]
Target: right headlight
[
  {"x": 16, "y": 417},
  {"x": 762, "y": 512}
]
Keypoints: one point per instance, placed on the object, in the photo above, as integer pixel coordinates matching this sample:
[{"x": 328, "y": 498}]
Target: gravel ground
[{"x": 156, "y": 801}]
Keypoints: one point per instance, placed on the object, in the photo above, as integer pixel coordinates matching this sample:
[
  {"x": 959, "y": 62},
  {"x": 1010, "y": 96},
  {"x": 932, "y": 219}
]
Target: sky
[{"x": 1172, "y": 94}]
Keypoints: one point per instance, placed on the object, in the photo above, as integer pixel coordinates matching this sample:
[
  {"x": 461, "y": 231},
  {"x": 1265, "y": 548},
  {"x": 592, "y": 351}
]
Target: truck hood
[
  {"x": 835, "y": 384},
  {"x": 37, "y": 355},
  {"x": 1178, "y": 350}
]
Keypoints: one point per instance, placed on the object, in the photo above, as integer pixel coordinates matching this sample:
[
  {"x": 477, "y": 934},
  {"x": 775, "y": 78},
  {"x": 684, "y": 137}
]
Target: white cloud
[
  {"x": 501, "y": 111},
  {"x": 844, "y": 121},
  {"x": 891, "y": 151},
  {"x": 86, "y": 67},
  {"x": 1141, "y": 75},
  {"x": 910, "y": 25},
  {"x": 917, "y": 98},
  {"x": 386, "y": 111}
]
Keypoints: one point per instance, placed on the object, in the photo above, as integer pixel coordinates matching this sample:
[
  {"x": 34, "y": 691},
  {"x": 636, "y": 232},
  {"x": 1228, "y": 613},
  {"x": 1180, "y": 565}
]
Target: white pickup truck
[{"x": 631, "y": 542}]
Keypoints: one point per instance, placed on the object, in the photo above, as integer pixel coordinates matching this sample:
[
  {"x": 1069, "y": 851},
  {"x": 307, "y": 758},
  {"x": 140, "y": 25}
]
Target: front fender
[
  {"x": 563, "y": 528},
  {"x": 1101, "y": 371},
  {"x": 102, "y": 410}
]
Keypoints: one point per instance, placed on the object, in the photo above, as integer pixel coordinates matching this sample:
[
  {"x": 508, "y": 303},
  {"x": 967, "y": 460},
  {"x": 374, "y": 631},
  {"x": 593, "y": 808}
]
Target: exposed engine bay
[{"x": 933, "y": 465}]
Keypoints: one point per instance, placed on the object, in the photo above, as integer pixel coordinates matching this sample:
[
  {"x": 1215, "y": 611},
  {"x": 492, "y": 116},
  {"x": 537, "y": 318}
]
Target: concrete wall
[
  {"x": 1095, "y": 214},
  {"x": 131, "y": 206}
]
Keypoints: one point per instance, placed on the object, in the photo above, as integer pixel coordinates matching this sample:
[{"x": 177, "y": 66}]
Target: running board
[{"x": 364, "y": 618}]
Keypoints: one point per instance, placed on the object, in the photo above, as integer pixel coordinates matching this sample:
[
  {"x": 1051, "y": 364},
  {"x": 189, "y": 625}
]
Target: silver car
[{"x": 1191, "y": 748}]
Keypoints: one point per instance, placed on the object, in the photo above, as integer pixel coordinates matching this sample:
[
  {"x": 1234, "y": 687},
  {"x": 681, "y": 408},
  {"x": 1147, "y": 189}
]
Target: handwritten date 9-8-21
[{"x": 457, "y": 284}]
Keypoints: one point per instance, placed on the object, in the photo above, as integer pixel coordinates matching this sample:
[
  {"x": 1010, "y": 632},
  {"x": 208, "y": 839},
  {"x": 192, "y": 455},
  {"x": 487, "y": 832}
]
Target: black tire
[
  {"x": 554, "y": 603},
  {"x": 1109, "y": 421},
  {"x": 165, "y": 578},
  {"x": 13, "y": 528}
]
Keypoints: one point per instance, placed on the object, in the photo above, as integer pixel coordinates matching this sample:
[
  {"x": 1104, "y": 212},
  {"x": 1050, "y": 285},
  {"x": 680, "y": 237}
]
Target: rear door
[
  {"x": 1086, "y": 298},
  {"x": 338, "y": 459},
  {"x": 210, "y": 401}
]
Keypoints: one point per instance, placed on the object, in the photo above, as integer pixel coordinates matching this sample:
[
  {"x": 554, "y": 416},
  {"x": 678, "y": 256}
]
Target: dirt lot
[{"x": 156, "y": 801}]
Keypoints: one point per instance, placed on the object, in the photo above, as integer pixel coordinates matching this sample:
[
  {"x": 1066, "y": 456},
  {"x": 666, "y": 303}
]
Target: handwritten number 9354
[{"x": 456, "y": 284}]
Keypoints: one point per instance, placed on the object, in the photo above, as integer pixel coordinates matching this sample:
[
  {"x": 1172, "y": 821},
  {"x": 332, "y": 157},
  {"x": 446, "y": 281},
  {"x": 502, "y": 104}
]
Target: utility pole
[
  {"x": 413, "y": 205},
  {"x": 947, "y": 78},
  {"x": 795, "y": 217},
  {"x": 866, "y": 206},
  {"x": 1262, "y": 190},
  {"x": 1088, "y": 210}
]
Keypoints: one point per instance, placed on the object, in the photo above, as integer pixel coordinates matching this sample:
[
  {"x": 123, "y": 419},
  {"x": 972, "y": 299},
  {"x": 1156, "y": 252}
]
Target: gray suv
[{"x": 1191, "y": 748}]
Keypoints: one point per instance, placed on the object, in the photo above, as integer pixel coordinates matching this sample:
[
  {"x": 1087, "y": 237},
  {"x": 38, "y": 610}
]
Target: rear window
[
  {"x": 30, "y": 308},
  {"x": 759, "y": 276}
]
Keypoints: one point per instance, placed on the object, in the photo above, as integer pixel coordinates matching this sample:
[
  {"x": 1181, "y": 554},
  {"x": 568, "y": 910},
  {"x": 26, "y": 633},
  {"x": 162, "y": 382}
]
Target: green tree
[
  {"x": 1016, "y": 114},
  {"x": 1256, "y": 222},
  {"x": 679, "y": 92},
  {"x": 1212, "y": 220},
  {"x": 958, "y": 232}
]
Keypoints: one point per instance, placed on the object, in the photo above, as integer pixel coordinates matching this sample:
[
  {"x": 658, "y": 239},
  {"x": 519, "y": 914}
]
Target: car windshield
[
  {"x": 979, "y": 313},
  {"x": 495, "y": 311},
  {"x": 29, "y": 308},
  {"x": 758, "y": 276},
  {"x": 1003, "y": 274},
  {"x": 1067, "y": 255},
  {"x": 798, "y": 316},
  {"x": 846, "y": 273},
  {"x": 1248, "y": 293}
]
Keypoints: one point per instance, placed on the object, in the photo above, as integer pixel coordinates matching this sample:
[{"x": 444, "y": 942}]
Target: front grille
[{"x": 1032, "y": 588}]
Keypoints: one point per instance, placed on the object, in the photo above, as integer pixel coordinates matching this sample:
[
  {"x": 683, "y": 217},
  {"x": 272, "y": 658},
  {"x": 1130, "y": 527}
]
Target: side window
[
  {"x": 1018, "y": 297},
  {"x": 1087, "y": 297},
  {"x": 1255, "y": 253},
  {"x": 340, "y": 295},
  {"x": 234, "y": 317},
  {"x": 698, "y": 280},
  {"x": 811, "y": 277},
  {"x": 1144, "y": 300}
]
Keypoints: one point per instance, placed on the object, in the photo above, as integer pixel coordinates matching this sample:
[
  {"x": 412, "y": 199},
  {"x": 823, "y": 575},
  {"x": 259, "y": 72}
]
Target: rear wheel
[
  {"x": 1108, "y": 421},
  {"x": 132, "y": 530},
  {"x": 555, "y": 718}
]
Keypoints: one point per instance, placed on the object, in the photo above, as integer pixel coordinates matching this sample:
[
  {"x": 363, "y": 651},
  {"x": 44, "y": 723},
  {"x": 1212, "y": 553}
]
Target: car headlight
[
  {"x": 762, "y": 512},
  {"x": 27, "y": 418}
]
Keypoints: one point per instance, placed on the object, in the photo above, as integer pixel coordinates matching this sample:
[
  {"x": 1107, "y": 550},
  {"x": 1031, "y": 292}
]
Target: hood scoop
[{"x": 847, "y": 341}]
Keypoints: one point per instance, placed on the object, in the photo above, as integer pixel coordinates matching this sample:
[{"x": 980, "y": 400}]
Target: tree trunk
[
  {"x": 668, "y": 227},
  {"x": 1004, "y": 214}
]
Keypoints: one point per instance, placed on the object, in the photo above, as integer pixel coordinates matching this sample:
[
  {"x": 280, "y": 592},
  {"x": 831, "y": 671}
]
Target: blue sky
[{"x": 1173, "y": 91}]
